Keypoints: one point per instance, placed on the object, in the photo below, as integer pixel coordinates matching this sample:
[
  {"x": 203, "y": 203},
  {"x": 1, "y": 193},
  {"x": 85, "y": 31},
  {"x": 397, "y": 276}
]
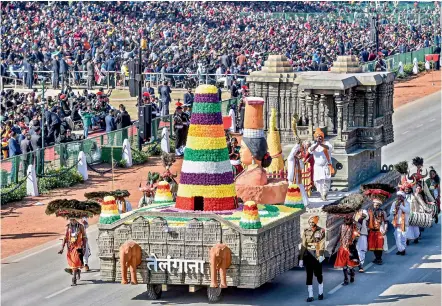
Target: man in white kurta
[
  {"x": 361, "y": 218},
  {"x": 413, "y": 232},
  {"x": 400, "y": 211},
  {"x": 321, "y": 169},
  {"x": 294, "y": 171}
]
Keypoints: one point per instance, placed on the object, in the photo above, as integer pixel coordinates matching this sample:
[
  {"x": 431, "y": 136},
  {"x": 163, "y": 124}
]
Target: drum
[
  {"x": 434, "y": 208},
  {"x": 420, "y": 219}
]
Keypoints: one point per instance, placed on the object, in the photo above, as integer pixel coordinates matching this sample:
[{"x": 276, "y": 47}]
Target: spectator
[
  {"x": 110, "y": 126},
  {"x": 26, "y": 148},
  {"x": 14, "y": 150},
  {"x": 164, "y": 92},
  {"x": 188, "y": 97},
  {"x": 123, "y": 118}
]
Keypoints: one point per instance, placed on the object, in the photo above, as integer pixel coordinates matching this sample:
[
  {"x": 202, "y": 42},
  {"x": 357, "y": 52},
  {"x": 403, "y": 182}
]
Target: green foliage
[
  {"x": 3, "y": 177},
  {"x": 139, "y": 157},
  {"x": 408, "y": 69},
  {"x": 62, "y": 180},
  {"x": 421, "y": 66},
  {"x": 122, "y": 163},
  {"x": 16, "y": 195}
]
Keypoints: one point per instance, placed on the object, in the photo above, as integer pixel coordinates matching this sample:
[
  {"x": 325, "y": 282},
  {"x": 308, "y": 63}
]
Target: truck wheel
[
  {"x": 214, "y": 294},
  {"x": 154, "y": 292}
]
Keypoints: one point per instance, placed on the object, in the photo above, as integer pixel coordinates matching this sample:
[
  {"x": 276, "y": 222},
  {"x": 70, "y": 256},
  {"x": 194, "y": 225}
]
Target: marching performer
[
  {"x": 312, "y": 254},
  {"x": 345, "y": 259},
  {"x": 75, "y": 239},
  {"x": 413, "y": 232},
  {"x": 361, "y": 218},
  {"x": 400, "y": 211},
  {"x": 433, "y": 184},
  {"x": 295, "y": 169},
  {"x": 377, "y": 218},
  {"x": 323, "y": 169}
]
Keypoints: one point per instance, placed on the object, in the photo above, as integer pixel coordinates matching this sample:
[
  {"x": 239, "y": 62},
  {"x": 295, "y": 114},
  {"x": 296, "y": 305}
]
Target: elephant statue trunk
[
  {"x": 130, "y": 257},
  {"x": 220, "y": 259}
]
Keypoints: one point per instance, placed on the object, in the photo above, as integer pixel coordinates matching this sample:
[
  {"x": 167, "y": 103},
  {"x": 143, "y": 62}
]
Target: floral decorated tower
[
  {"x": 206, "y": 181},
  {"x": 250, "y": 216},
  {"x": 109, "y": 211},
  {"x": 163, "y": 193},
  {"x": 293, "y": 197}
]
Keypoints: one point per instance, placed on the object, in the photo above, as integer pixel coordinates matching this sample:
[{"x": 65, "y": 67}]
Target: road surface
[{"x": 36, "y": 277}]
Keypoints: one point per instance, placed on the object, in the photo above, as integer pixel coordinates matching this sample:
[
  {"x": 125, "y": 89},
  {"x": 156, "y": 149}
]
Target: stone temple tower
[{"x": 354, "y": 109}]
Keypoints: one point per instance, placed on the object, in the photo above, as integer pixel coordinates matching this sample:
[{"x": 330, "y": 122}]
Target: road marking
[
  {"x": 96, "y": 275},
  {"x": 414, "y": 266},
  {"x": 425, "y": 257},
  {"x": 335, "y": 289},
  {"x": 431, "y": 120},
  {"x": 391, "y": 250},
  {"x": 420, "y": 125},
  {"x": 58, "y": 292},
  {"x": 405, "y": 132},
  {"x": 435, "y": 155}
]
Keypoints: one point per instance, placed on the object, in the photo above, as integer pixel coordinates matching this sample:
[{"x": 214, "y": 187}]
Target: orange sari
[{"x": 74, "y": 241}]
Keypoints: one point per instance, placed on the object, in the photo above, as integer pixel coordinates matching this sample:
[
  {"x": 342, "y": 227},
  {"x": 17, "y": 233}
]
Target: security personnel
[{"x": 312, "y": 252}]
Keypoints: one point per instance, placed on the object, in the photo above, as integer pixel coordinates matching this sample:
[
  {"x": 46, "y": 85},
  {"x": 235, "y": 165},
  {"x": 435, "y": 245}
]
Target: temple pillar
[
  {"x": 322, "y": 108},
  {"x": 303, "y": 108},
  {"x": 351, "y": 112},
  {"x": 340, "y": 106},
  {"x": 370, "y": 99},
  {"x": 316, "y": 111},
  {"x": 309, "y": 104}
]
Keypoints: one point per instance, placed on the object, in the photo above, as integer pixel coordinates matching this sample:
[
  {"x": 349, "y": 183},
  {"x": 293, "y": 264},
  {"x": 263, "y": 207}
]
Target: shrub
[
  {"x": 421, "y": 66},
  {"x": 408, "y": 69},
  {"x": 139, "y": 157},
  {"x": 59, "y": 178},
  {"x": 15, "y": 195}
]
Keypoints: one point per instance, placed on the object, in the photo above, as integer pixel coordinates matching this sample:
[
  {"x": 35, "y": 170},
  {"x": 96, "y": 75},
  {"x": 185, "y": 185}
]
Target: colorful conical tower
[
  {"x": 293, "y": 197},
  {"x": 163, "y": 193},
  {"x": 250, "y": 216},
  {"x": 274, "y": 143},
  {"x": 206, "y": 181},
  {"x": 109, "y": 211}
]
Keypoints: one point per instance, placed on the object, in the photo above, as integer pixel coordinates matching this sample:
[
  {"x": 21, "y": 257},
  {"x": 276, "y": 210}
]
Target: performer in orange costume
[{"x": 75, "y": 239}]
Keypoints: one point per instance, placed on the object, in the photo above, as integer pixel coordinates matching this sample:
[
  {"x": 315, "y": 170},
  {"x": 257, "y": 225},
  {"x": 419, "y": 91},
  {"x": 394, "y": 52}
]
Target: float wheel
[
  {"x": 154, "y": 292},
  {"x": 214, "y": 294}
]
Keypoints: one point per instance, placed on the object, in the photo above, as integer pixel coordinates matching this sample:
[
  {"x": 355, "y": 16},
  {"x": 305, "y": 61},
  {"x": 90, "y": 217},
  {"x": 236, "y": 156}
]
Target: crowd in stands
[
  {"x": 199, "y": 37},
  {"x": 28, "y": 121}
]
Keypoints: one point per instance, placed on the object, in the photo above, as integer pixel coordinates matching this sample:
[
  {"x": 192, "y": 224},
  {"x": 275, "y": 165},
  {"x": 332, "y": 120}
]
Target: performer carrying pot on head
[
  {"x": 312, "y": 254},
  {"x": 322, "y": 170},
  {"x": 400, "y": 211}
]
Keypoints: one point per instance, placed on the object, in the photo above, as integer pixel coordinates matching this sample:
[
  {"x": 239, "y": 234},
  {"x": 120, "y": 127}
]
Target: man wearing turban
[
  {"x": 321, "y": 151},
  {"x": 312, "y": 253}
]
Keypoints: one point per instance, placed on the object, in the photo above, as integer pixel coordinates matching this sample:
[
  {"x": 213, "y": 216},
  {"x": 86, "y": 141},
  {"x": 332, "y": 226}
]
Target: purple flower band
[
  {"x": 206, "y": 98},
  {"x": 206, "y": 119},
  {"x": 206, "y": 179}
]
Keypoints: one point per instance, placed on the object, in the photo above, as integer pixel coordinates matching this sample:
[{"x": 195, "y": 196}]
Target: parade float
[{"x": 207, "y": 237}]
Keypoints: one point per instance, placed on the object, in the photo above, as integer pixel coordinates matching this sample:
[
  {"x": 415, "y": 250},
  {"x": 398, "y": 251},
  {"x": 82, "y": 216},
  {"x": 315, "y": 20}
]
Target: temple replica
[
  {"x": 352, "y": 108},
  {"x": 244, "y": 231},
  {"x": 208, "y": 237}
]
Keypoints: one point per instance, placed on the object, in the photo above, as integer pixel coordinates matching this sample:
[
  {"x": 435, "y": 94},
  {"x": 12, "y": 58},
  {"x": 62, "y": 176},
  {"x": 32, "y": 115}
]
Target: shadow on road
[
  {"x": 29, "y": 235},
  {"x": 397, "y": 297}
]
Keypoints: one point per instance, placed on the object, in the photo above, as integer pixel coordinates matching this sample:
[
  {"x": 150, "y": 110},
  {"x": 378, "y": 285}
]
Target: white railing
[{"x": 117, "y": 79}]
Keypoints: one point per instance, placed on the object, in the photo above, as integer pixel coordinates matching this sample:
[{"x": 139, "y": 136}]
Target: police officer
[{"x": 312, "y": 253}]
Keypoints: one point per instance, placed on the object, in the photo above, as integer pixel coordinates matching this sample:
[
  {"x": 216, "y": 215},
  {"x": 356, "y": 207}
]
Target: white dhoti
[
  {"x": 401, "y": 239},
  {"x": 233, "y": 118},
  {"x": 413, "y": 232},
  {"x": 323, "y": 186},
  {"x": 322, "y": 178},
  {"x": 304, "y": 194},
  {"x": 362, "y": 247}
]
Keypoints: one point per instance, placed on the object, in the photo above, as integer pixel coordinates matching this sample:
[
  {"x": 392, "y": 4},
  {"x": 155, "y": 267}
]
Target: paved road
[{"x": 36, "y": 277}]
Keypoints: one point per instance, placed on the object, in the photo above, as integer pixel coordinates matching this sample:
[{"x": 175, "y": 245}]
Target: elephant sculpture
[
  {"x": 220, "y": 259},
  {"x": 130, "y": 257}
]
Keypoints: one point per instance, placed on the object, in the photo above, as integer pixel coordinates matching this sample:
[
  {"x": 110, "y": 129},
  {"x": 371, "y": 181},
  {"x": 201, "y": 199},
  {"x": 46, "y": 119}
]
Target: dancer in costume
[
  {"x": 400, "y": 211},
  {"x": 321, "y": 152},
  {"x": 235, "y": 157},
  {"x": 433, "y": 184},
  {"x": 345, "y": 259},
  {"x": 75, "y": 239},
  {"x": 295, "y": 170},
  {"x": 312, "y": 255},
  {"x": 377, "y": 218},
  {"x": 87, "y": 249},
  {"x": 361, "y": 218},
  {"x": 413, "y": 232}
]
